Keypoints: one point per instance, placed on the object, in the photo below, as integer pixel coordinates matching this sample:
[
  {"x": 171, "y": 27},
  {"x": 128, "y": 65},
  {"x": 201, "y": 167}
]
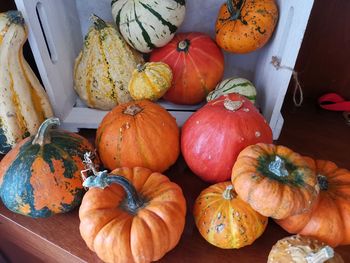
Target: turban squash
[
  {"x": 40, "y": 176},
  {"x": 329, "y": 218},
  {"x": 137, "y": 216}
]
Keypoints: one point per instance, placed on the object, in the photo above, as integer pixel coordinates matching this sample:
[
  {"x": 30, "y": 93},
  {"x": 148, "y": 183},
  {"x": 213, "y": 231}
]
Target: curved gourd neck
[
  {"x": 15, "y": 17},
  {"x": 133, "y": 201},
  {"x": 43, "y": 135},
  {"x": 99, "y": 23}
]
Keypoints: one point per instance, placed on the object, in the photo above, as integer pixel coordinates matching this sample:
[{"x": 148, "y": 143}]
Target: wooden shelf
[{"x": 308, "y": 130}]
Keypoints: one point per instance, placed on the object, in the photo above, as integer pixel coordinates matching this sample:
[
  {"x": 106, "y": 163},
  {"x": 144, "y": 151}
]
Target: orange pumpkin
[
  {"x": 138, "y": 133},
  {"x": 274, "y": 180},
  {"x": 138, "y": 216},
  {"x": 329, "y": 220},
  {"x": 225, "y": 220},
  {"x": 243, "y": 26}
]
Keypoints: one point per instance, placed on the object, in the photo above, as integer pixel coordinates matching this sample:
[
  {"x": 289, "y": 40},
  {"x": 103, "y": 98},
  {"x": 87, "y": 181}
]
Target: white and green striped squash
[
  {"x": 147, "y": 24},
  {"x": 104, "y": 67},
  {"x": 234, "y": 85},
  {"x": 24, "y": 104}
]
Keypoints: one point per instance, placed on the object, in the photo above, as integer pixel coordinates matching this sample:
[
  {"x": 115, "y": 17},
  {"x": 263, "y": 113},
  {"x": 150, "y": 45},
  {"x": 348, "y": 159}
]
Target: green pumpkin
[{"x": 41, "y": 176}]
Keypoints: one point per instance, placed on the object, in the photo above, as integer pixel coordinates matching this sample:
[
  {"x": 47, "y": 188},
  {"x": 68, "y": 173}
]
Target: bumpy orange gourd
[
  {"x": 274, "y": 180},
  {"x": 138, "y": 133},
  {"x": 329, "y": 220},
  {"x": 139, "y": 226},
  {"x": 243, "y": 26},
  {"x": 225, "y": 220}
]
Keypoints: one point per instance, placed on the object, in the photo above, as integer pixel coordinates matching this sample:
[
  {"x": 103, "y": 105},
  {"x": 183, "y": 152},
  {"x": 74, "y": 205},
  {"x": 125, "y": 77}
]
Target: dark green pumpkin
[{"x": 40, "y": 176}]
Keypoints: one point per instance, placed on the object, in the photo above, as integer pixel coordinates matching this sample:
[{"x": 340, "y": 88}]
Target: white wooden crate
[{"x": 57, "y": 28}]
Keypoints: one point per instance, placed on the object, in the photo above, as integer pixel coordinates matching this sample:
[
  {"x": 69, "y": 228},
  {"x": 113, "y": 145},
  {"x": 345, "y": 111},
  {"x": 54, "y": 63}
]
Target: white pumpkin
[
  {"x": 104, "y": 67},
  {"x": 24, "y": 104},
  {"x": 147, "y": 24}
]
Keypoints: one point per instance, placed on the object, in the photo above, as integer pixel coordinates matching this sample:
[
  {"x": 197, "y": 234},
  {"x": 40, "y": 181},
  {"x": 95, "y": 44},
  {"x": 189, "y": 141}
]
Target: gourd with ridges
[
  {"x": 24, "y": 103},
  {"x": 225, "y": 220},
  {"x": 234, "y": 85},
  {"x": 147, "y": 24},
  {"x": 40, "y": 176},
  {"x": 104, "y": 67},
  {"x": 150, "y": 81}
]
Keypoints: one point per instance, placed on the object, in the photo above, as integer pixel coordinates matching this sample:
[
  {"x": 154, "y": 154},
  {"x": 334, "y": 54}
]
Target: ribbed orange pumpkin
[
  {"x": 274, "y": 180},
  {"x": 243, "y": 26},
  {"x": 329, "y": 220},
  {"x": 197, "y": 64},
  {"x": 225, "y": 220},
  {"x": 138, "y": 133},
  {"x": 138, "y": 216}
]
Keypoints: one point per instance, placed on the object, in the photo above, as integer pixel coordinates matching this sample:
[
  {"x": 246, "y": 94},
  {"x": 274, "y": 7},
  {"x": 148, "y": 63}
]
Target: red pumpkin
[
  {"x": 197, "y": 64},
  {"x": 213, "y": 137}
]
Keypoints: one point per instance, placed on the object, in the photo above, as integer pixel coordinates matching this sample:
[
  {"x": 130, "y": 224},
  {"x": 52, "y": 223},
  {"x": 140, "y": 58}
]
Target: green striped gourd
[
  {"x": 23, "y": 101},
  {"x": 234, "y": 85},
  {"x": 147, "y": 24},
  {"x": 41, "y": 176},
  {"x": 104, "y": 67}
]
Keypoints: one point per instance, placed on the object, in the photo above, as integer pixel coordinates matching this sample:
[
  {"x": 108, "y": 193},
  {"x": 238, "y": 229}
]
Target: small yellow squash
[
  {"x": 104, "y": 67},
  {"x": 24, "y": 104},
  {"x": 150, "y": 81}
]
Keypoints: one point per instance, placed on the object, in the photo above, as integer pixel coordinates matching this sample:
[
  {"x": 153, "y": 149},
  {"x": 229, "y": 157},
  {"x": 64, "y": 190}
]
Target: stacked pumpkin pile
[{"x": 126, "y": 212}]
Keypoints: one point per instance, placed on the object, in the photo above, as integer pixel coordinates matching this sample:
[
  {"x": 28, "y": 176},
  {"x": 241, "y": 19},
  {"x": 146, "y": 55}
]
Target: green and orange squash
[
  {"x": 225, "y": 220},
  {"x": 276, "y": 181},
  {"x": 41, "y": 175}
]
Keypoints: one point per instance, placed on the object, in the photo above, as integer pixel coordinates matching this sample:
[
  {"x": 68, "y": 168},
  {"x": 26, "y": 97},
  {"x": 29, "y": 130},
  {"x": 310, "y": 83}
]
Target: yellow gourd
[
  {"x": 150, "y": 81},
  {"x": 24, "y": 104},
  {"x": 104, "y": 67}
]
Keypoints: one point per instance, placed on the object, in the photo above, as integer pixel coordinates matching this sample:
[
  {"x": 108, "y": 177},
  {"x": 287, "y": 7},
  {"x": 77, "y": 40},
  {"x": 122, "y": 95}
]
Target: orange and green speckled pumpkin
[
  {"x": 225, "y": 220},
  {"x": 243, "y": 26},
  {"x": 276, "y": 181},
  {"x": 40, "y": 176}
]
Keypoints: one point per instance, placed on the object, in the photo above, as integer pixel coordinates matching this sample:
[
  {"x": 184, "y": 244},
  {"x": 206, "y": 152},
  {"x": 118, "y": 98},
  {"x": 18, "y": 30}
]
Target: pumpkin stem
[
  {"x": 321, "y": 256},
  {"x": 43, "y": 137},
  {"x": 232, "y": 105},
  {"x": 132, "y": 110},
  {"x": 183, "y": 45},
  {"x": 235, "y": 12},
  {"x": 15, "y": 17},
  {"x": 99, "y": 23},
  {"x": 278, "y": 167},
  {"x": 322, "y": 182},
  {"x": 228, "y": 194},
  {"x": 102, "y": 179},
  {"x": 140, "y": 67}
]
